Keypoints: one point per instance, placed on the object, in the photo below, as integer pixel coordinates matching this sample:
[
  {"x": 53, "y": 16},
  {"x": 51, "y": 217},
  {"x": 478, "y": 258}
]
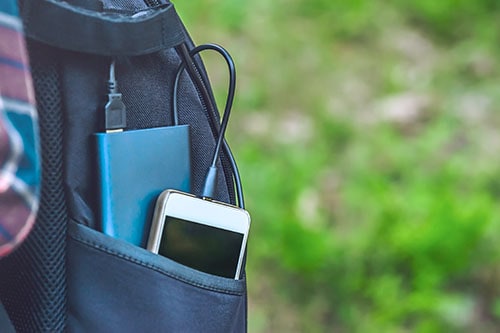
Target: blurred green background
[{"x": 367, "y": 134}]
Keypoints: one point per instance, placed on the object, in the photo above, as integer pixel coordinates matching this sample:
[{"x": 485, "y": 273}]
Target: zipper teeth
[
  {"x": 197, "y": 79},
  {"x": 204, "y": 104}
]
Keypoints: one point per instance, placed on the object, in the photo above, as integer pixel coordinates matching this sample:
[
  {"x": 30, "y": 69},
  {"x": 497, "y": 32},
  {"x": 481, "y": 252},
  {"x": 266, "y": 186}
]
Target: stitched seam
[{"x": 154, "y": 267}]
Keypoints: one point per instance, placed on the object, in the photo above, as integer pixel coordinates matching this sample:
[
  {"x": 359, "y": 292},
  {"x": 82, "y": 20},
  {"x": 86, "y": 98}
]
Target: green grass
[{"x": 367, "y": 137}]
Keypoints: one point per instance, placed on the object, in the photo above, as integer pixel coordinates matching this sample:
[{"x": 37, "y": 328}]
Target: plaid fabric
[{"x": 19, "y": 159}]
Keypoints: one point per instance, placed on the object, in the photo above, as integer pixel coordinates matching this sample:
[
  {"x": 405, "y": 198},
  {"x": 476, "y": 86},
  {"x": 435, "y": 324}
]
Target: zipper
[{"x": 210, "y": 114}]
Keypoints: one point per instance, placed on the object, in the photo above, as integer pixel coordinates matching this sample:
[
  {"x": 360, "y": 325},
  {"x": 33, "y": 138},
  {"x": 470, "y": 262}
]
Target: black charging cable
[
  {"x": 208, "y": 101},
  {"x": 211, "y": 177}
]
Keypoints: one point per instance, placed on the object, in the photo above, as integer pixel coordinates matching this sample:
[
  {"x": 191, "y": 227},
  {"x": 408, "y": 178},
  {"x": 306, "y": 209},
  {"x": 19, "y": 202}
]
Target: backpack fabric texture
[{"x": 67, "y": 275}]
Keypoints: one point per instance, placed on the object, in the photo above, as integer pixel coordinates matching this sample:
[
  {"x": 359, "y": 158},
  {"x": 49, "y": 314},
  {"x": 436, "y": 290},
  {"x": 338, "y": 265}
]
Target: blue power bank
[{"x": 134, "y": 167}]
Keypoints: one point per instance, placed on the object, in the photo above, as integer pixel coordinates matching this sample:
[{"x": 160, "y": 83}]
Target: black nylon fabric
[{"x": 138, "y": 291}]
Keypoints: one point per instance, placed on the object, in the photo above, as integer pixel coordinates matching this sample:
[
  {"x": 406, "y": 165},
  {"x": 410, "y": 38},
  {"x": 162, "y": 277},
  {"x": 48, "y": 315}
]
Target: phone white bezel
[{"x": 190, "y": 208}]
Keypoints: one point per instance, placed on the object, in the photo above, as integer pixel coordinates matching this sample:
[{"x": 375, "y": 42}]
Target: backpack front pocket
[{"x": 114, "y": 286}]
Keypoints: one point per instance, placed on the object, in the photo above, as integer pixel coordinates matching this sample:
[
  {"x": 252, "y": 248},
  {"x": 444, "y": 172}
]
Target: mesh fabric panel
[{"x": 32, "y": 279}]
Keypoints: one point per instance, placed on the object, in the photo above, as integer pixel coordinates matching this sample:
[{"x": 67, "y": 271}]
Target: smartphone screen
[{"x": 202, "y": 247}]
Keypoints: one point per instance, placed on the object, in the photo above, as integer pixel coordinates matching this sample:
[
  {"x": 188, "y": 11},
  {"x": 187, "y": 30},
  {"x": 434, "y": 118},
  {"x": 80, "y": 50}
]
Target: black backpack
[{"x": 68, "y": 276}]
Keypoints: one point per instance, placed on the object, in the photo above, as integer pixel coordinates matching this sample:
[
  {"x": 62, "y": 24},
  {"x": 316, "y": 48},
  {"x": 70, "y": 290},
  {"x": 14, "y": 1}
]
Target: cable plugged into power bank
[
  {"x": 115, "y": 110},
  {"x": 210, "y": 185},
  {"x": 134, "y": 166}
]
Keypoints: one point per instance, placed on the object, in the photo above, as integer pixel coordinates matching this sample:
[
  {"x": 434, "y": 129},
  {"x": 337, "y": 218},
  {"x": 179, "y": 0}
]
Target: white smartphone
[{"x": 203, "y": 234}]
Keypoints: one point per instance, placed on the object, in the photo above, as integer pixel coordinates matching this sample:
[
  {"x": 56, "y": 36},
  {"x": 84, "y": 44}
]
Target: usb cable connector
[
  {"x": 116, "y": 117},
  {"x": 115, "y": 110}
]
